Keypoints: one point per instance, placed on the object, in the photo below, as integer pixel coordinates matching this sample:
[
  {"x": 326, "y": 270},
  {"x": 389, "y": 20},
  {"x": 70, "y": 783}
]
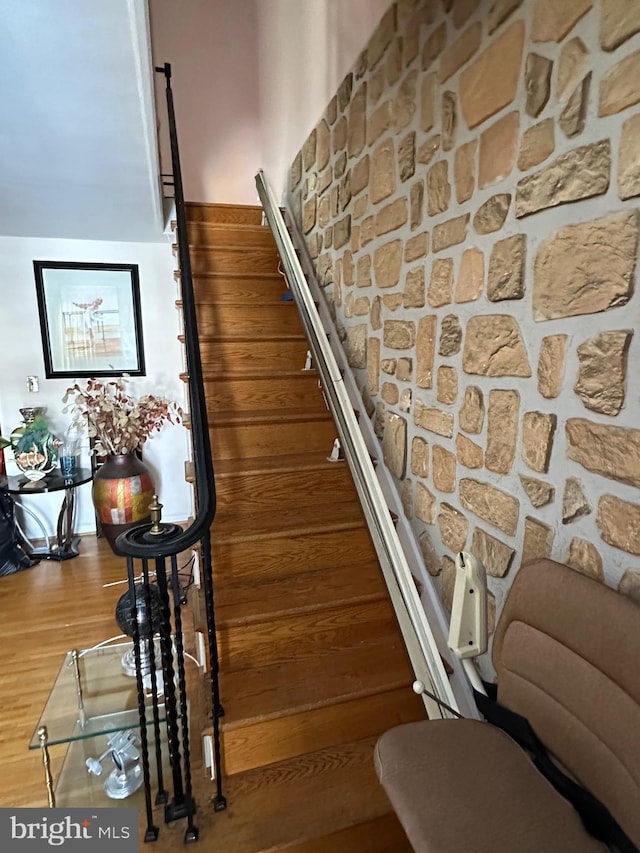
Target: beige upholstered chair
[{"x": 567, "y": 657}]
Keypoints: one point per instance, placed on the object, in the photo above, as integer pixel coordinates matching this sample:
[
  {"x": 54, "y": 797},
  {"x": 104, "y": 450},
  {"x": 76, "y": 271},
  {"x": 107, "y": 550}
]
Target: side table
[
  {"x": 91, "y": 699},
  {"x": 66, "y": 545}
]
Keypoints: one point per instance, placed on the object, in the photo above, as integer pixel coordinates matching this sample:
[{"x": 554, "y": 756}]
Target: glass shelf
[
  {"x": 94, "y": 698},
  {"x": 75, "y": 787}
]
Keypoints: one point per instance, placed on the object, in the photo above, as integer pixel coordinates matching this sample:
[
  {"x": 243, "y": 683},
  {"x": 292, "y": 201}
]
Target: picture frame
[{"x": 90, "y": 319}]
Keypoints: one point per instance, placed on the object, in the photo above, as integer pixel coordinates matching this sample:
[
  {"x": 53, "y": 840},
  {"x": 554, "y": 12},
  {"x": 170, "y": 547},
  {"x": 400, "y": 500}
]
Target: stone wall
[{"x": 470, "y": 200}]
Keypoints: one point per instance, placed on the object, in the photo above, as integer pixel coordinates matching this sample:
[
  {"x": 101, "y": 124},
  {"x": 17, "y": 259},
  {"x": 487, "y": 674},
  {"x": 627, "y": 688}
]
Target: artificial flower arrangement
[
  {"x": 34, "y": 447},
  {"x": 117, "y": 421}
]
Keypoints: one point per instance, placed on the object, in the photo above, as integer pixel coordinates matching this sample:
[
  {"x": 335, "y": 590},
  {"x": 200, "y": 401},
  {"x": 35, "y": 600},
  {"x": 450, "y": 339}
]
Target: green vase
[{"x": 35, "y": 448}]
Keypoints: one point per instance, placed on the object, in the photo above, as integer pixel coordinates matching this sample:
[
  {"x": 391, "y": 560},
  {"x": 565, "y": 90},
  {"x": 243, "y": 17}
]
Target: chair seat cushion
[{"x": 463, "y": 786}]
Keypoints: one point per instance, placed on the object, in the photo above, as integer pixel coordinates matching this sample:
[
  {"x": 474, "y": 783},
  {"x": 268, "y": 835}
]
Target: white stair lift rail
[{"x": 421, "y": 644}]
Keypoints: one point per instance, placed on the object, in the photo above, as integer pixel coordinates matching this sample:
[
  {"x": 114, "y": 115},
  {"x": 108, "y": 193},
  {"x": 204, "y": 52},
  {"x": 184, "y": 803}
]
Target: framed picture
[{"x": 89, "y": 319}]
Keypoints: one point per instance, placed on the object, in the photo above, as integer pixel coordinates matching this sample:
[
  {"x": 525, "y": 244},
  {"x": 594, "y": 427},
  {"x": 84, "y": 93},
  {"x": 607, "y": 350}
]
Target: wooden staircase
[{"x": 313, "y": 666}]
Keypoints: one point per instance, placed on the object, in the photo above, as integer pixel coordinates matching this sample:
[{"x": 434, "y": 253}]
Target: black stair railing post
[
  {"x": 161, "y": 795},
  {"x": 151, "y": 833},
  {"x": 217, "y": 711},
  {"x": 191, "y": 833},
  {"x": 177, "y": 808}
]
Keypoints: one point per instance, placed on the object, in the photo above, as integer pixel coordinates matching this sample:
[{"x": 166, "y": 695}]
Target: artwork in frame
[{"x": 89, "y": 319}]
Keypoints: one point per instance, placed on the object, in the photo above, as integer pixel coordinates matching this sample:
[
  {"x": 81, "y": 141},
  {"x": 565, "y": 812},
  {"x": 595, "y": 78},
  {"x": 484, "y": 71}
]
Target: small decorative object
[
  {"x": 126, "y": 777},
  {"x": 118, "y": 425},
  {"x": 148, "y": 620},
  {"x": 68, "y": 452},
  {"x": 67, "y": 465},
  {"x": 34, "y": 446}
]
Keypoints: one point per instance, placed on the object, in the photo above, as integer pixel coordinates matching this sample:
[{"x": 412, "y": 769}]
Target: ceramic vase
[{"x": 122, "y": 492}]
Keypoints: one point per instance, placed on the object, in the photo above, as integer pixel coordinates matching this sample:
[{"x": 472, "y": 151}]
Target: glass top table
[
  {"x": 91, "y": 699},
  {"x": 66, "y": 544},
  {"x": 19, "y": 484},
  {"x": 91, "y": 696}
]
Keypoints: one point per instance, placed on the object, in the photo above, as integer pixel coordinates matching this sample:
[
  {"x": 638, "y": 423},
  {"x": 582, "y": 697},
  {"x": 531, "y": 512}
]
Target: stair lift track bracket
[{"x": 468, "y": 626}]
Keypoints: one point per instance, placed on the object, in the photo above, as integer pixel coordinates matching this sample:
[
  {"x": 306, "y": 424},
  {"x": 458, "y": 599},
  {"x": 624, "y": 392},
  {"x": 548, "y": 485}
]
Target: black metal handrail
[
  {"x": 169, "y": 538},
  {"x": 159, "y": 544}
]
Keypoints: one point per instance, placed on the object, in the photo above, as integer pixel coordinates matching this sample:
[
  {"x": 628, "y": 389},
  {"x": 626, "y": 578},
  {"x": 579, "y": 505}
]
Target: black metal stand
[{"x": 67, "y": 544}]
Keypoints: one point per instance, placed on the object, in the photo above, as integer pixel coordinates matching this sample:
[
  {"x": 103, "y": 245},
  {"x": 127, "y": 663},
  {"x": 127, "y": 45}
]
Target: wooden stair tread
[
  {"x": 263, "y": 374},
  {"x": 228, "y": 247},
  {"x": 267, "y": 277},
  {"x": 304, "y": 635},
  {"x": 229, "y": 525},
  {"x": 288, "y": 554},
  {"x": 257, "y": 597},
  {"x": 209, "y": 234},
  {"x": 270, "y": 807},
  {"x": 230, "y": 338},
  {"x": 270, "y": 416},
  {"x": 338, "y": 675},
  {"x": 381, "y": 835},
  {"x": 263, "y": 464},
  {"x": 276, "y": 304},
  {"x": 287, "y": 463},
  {"x": 218, "y": 288},
  {"x": 286, "y": 495},
  {"x": 223, "y": 227},
  {"x": 198, "y": 211}
]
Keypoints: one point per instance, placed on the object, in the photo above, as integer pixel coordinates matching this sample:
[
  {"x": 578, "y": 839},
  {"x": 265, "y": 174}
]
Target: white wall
[
  {"x": 23, "y": 356},
  {"x": 306, "y": 47},
  {"x": 251, "y": 78},
  {"x": 211, "y": 45}
]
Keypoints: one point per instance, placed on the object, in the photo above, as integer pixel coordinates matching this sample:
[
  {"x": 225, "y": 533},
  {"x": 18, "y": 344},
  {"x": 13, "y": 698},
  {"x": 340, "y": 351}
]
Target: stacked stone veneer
[{"x": 470, "y": 200}]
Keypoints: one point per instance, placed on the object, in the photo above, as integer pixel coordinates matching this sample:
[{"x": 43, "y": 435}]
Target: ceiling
[{"x": 78, "y": 154}]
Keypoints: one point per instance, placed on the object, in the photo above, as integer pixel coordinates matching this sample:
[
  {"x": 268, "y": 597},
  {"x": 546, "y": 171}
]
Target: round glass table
[{"x": 66, "y": 543}]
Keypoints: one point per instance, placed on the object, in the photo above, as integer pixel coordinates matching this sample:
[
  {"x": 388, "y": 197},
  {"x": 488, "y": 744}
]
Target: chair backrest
[{"x": 567, "y": 657}]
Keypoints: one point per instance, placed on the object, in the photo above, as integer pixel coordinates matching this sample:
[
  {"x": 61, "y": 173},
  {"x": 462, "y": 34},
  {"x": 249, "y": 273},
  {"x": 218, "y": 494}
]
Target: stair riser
[
  {"x": 262, "y": 393},
  {"x": 287, "y": 555},
  {"x": 225, "y": 260},
  {"x": 248, "y": 321},
  {"x": 272, "y": 439},
  {"x": 239, "y": 289},
  {"x": 283, "y": 491},
  {"x": 250, "y": 746},
  {"x": 210, "y": 234},
  {"x": 218, "y": 357},
  {"x": 307, "y": 635},
  {"x": 229, "y": 213}
]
